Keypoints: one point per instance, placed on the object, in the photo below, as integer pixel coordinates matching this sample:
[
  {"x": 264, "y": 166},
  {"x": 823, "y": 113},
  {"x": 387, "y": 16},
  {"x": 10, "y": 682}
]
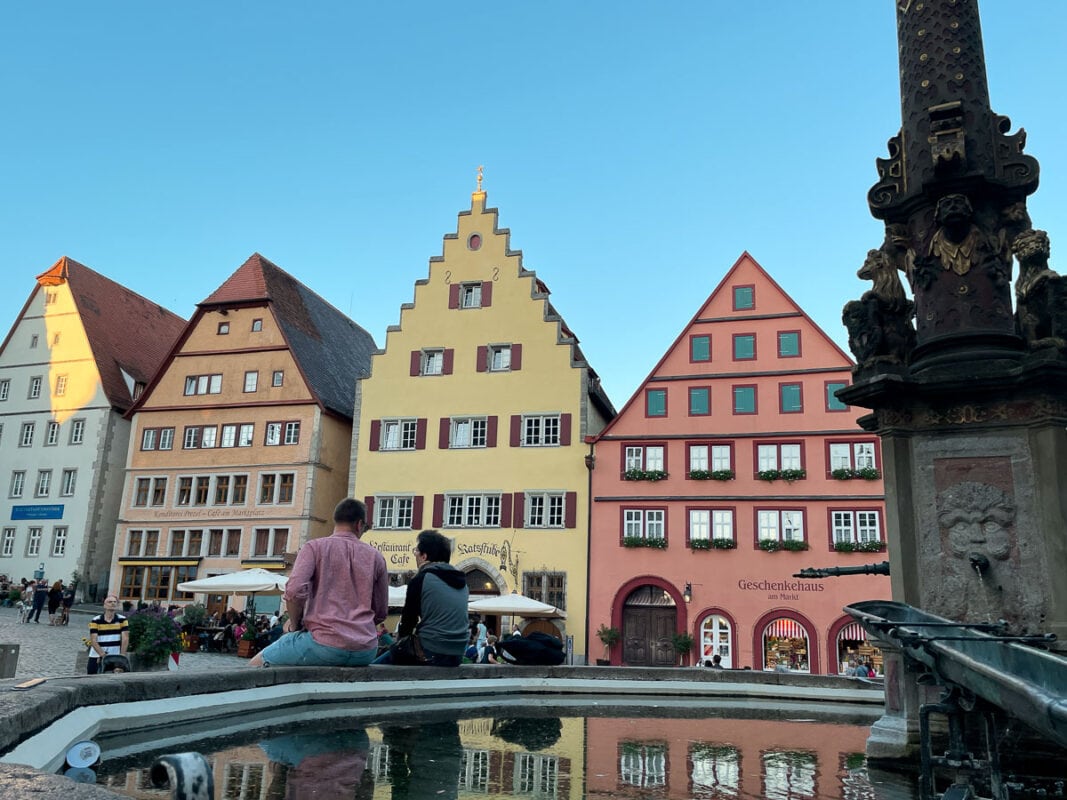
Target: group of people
[
  {"x": 337, "y": 597},
  {"x": 336, "y": 600},
  {"x": 860, "y": 668},
  {"x": 37, "y": 595}
]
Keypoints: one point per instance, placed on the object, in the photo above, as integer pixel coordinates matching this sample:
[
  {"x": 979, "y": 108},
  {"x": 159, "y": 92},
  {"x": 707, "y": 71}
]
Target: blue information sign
[{"x": 37, "y": 512}]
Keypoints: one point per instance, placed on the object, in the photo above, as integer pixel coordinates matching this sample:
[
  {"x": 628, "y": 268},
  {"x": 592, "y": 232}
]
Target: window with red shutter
[
  {"x": 416, "y": 512},
  {"x": 564, "y": 429},
  {"x": 438, "y": 518}
]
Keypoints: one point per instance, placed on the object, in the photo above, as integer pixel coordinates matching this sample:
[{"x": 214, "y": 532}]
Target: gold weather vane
[{"x": 479, "y": 193}]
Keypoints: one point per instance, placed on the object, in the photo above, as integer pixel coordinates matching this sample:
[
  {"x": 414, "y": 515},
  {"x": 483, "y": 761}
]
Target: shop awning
[
  {"x": 784, "y": 628},
  {"x": 852, "y": 632}
]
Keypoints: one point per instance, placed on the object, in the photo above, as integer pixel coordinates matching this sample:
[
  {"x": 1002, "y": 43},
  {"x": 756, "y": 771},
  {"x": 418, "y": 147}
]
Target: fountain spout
[{"x": 979, "y": 562}]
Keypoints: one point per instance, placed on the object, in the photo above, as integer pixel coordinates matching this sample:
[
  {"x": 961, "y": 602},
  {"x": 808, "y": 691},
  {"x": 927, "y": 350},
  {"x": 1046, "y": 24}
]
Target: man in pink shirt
[{"x": 336, "y": 596}]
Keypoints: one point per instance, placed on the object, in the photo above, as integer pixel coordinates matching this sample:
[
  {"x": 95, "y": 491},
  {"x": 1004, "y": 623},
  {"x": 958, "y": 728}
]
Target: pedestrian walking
[
  {"x": 40, "y": 598},
  {"x": 55, "y": 598}
]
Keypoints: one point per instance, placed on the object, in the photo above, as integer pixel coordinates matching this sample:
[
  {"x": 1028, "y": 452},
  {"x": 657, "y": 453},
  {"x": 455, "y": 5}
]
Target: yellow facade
[{"x": 547, "y": 384}]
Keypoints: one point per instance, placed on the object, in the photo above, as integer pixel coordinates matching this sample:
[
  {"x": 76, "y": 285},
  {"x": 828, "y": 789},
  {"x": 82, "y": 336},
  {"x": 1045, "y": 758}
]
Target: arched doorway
[
  {"x": 717, "y": 639},
  {"x": 481, "y": 583},
  {"x": 649, "y": 621}
]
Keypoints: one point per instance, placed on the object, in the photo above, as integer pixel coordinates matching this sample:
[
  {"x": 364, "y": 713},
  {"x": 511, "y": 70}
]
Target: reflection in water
[
  {"x": 424, "y": 760},
  {"x": 620, "y": 754},
  {"x": 331, "y": 764}
]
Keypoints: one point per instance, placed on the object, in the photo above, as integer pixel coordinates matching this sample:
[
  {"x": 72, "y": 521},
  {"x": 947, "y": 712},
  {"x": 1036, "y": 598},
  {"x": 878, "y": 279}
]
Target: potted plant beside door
[
  {"x": 609, "y": 637},
  {"x": 683, "y": 645}
]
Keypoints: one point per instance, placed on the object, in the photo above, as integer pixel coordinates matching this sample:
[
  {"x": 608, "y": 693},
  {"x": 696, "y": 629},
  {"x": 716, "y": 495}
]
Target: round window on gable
[{"x": 474, "y": 241}]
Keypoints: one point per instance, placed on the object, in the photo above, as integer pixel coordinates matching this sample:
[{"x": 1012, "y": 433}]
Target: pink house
[{"x": 731, "y": 468}]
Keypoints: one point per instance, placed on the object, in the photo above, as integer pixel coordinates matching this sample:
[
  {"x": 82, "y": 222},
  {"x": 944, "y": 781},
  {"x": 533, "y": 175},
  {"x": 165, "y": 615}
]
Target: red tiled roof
[
  {"x": 248, "y": 283},
  {"x": 127, "y": 332},
  {"x": 331, "y": 350}
]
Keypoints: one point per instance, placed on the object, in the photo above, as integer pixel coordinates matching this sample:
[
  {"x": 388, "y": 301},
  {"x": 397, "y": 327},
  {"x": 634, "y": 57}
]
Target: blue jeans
[
  {"x": 298, "y": 649},
  {"x": 432, "y": 659}
]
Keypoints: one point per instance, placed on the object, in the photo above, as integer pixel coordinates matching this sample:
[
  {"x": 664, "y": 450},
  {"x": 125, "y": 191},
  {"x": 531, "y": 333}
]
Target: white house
[{"x": 79, "y": 353}]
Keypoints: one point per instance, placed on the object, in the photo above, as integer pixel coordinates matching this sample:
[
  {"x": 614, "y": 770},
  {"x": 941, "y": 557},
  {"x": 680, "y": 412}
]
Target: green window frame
[
  {"x": 655, "y": 402},
  {"x": 699, "y": 401}
]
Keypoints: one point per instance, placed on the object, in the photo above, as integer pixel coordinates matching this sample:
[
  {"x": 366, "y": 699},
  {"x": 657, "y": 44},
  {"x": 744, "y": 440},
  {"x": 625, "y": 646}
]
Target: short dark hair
[
  {"x": 435, "y": 546},
  {"x": 351, "y": 511}
]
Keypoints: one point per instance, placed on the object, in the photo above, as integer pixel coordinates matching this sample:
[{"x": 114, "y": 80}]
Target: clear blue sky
[{"x": 633, "y": 149}]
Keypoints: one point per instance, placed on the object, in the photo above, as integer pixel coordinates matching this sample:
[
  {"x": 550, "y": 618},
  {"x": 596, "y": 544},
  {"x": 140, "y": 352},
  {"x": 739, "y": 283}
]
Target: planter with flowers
[
  {"x": 711, "y": 474},
  {"x": 864, "y": 473},
  {"x": 246, "y": 645},
  {"x": 712, "y": 544},
  {"x": 644, "y": 475},
  {"x": 154, "y": 635},
  {"x": 774, "y": 545}
]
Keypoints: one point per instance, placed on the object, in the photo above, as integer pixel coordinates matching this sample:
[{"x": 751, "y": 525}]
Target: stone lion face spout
[{"x": 977, "y": 519}]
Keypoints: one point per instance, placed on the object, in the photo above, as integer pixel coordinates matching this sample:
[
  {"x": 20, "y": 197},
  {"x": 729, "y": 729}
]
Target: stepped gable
[
  {"x": 538, "y": 291},
  {"x": 126, "y": 332},
  {"x": 330, "y": 348}
]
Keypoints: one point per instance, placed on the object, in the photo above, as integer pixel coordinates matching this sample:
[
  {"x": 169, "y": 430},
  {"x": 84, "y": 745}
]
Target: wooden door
[
  {"x": 647, "y": 637},
  {"x": 635, "y": 637},
  {"x": 216, "y": 604}
]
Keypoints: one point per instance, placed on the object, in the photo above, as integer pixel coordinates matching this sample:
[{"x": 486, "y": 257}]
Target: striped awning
[
  {"x": 785, "y": 628},
  {"x": 852, "y": 632}
]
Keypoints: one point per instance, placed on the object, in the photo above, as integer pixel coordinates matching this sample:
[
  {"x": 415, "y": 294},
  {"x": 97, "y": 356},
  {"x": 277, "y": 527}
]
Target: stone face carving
[{"x": 976, "y": 522}]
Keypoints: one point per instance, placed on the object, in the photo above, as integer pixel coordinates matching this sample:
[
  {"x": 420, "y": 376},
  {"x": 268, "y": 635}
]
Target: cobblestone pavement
[{"x": 46, "y": 651}]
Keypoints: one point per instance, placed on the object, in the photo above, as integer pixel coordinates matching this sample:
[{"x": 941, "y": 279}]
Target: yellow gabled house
[{"x": 473, "y": 420}]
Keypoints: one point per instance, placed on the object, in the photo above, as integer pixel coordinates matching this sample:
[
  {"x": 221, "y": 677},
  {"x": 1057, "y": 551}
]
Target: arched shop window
[
  {"x": 852, "y": 645},
  {"x": 716, "y": 638},
  {"x": 785, "y": 644}
]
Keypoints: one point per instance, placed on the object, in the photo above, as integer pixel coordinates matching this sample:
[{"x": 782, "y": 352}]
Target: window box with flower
[
  {"x": 658, "y": 543},
  {"x": 846, "y": 474},
  {"x": 774, "y": 545},
  {"x": 644, "y": 475},
  {"x": 711, "y": 474},
  {"x": 712, "y": 544},
  {"x": 787, "y": 475}
]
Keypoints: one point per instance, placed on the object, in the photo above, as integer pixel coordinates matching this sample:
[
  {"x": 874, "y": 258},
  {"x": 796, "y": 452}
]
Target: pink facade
[{"x": 731, "y": 468}]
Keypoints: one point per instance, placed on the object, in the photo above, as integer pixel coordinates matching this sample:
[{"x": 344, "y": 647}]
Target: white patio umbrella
[
  {"x": 247, "y": 581},
  {"x": 515, "y": 605},
  {"x": 397, "y": 596}
]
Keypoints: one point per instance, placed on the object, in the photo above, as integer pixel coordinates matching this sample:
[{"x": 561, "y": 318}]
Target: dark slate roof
[
  {"x": 126, "y": 332},
  {"x": 330, "y": 349}
]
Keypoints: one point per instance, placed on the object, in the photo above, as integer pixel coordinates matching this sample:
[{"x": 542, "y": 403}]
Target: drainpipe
[{"x": 590, "y": 464}]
